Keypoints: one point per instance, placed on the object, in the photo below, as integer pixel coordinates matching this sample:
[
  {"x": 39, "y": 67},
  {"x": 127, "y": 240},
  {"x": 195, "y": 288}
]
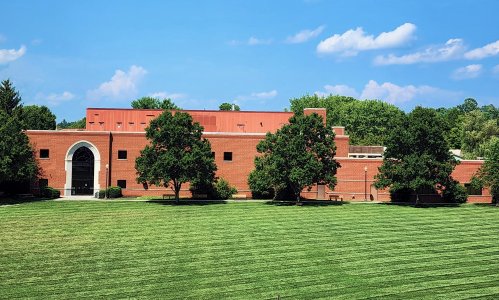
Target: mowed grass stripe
[{"x": 241, "y": 250}]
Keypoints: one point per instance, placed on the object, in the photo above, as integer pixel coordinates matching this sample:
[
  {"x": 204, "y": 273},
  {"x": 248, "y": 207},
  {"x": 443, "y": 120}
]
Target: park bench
[
  {"x": 200, "y": 196},
  {"x": 239, "y": 196},
  {"x": 335, "y": 197},
  {"x": 169, "y": 195}
]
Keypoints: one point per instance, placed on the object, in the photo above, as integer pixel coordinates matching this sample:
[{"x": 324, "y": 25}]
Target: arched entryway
[
  {"x": 82, "y": 182},
  {"x": 82, "y": 169}
]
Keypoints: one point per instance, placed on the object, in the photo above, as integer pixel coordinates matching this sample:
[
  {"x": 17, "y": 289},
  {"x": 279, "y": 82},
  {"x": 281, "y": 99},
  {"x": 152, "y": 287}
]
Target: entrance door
[{"x": 82, "y": 182}]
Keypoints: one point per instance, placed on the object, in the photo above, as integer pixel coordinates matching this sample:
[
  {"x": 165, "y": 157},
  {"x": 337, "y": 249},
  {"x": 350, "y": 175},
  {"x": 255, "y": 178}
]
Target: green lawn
[{"x": 78, "y": 249}]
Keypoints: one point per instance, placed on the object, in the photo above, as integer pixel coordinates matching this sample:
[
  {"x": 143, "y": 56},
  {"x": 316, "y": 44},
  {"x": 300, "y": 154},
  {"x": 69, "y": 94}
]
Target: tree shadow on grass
[
  {"x": 420, "y": 205},
  {"x": 17, "y": 200},
  {"x": 306, "y": 203},
  {"x": 187, "y": 202}
]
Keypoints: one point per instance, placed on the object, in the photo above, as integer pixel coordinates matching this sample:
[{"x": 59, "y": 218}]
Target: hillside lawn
[{"x": 247, "y": 250}]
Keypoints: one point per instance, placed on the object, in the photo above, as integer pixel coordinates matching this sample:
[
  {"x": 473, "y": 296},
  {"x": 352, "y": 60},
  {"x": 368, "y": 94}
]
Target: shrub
[
  {"x": 112, "y": 192},
  {"x": 51, "y": 193},
  {"x": 455, "y": 193},
  {"x": 223, "y": 190}
]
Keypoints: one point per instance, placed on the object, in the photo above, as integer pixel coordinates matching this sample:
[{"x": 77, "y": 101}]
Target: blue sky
[{"x": 70, "y": 55}]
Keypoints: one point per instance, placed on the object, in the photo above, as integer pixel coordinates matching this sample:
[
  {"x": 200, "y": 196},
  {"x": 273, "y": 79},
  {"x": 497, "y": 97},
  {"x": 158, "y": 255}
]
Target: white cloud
[
  {"x": 495, "y": 70},
  {"x": 54, "y": 99},
  {"x": 467, "y": 72},
  {"x": 258, "y": 96},
  {"x": 305, "y": 35},
  {"x": 485, "y": 51},
  {"x": 355, "y": 40},
  {"x": 8, "y": 55},
  {"x": 252, "y": 41},
  {"x": 164, "y": 95},
  {"x": 123, "y": 85},
  {"x": 452, "y": 49},
  {"x": 390, "y": 92},
  {"x": 340, "y": 89}
]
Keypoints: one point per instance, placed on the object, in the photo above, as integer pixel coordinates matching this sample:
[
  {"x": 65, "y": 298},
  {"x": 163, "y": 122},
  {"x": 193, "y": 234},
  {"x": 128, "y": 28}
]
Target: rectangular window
[
  {"x": 213, "y": 155},
  {"x": 43, "y": 183},
  {"x": 44, "y": 153},
  {"x": 473, "y": 190},
  {"x": 122, "y": 183},
  {"x": 228, "y": 156},
  {"x": 122, "y": 154}
]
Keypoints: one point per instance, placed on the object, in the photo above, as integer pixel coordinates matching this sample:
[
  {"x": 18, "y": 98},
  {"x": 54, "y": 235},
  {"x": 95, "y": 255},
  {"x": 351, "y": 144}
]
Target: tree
[
  {"x": 367, "y": 122},
  {"x": 469, "y": 105},
  {"x": 10, "y": 100},
  {"x": 17, "y": 161},
  {"x": 78, "y": 124},
  {"x": 177, "y": 153},
  {"x": 228, "y": 106},
  {"x": 38, "y": 118},
  {"x": 417, "y": 159},
  {"x": 489, "y": 172},
  {"x": 154, "y": 103},
  {"x": 476, "y": 133},
  {"x": 298, "y": 155}
]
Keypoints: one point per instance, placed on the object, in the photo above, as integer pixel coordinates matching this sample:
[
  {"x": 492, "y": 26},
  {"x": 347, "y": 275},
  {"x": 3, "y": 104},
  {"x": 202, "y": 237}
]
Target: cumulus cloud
[
  {"x": 467, "y": 72},
  {"x": 123, "y": 85},
  {"x": 340, "y": 89},
  {"x": 485, "y": 51},
  {"x": 353, "y": 41},
  {"x": 452, "y": 49},
  {"x": 258, "y": 96},
  {"x": 305, "y": 35},
  {"x": 390, "y": 92},
  {"x": 164, "y": 95},
  {"x": 54, "y": 99},
  {"x": 8, "y": 55}
]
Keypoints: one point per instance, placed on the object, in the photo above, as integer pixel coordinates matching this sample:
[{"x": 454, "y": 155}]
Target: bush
[
  {"x": 260, "y": 185},
  {"x": 455, "y": 193},
  {"x": 223, "y": 190},
  {"x": 50, "y": 193},
  {"x": 112, "y": 192}
]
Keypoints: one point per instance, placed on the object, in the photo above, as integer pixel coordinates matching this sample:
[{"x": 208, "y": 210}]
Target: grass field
[{"x": 78, "y": 249}]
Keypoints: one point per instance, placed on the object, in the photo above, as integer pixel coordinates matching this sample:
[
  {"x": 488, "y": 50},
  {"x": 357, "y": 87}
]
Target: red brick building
[{"x": 79, "y": 162}]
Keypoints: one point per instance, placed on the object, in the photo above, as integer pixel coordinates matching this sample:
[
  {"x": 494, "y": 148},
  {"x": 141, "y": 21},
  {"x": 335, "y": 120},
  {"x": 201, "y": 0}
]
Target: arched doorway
[
  {"x": 82, "y": 181},
  {"x": 82, "y": 169}
]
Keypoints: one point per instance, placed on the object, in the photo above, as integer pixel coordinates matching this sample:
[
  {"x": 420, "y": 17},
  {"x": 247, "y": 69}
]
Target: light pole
[
  {"x": 107, "y": 178},
  {"x": 365, "y": 183}
]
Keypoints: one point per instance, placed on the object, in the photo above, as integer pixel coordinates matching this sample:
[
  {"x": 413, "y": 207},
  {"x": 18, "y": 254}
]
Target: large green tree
[
  {"x": 154, "y": 103},
  {"x": 78, "y": 124},
  {"x": 17, "y": 161},
  {"x": 298, "y": 155},
  {"x": 177, "y": 153},
  {"x": 417, "y": 159},
  {"x": 489, "y": 172},
  {"x": 367, "y": 122},
  {"x": 229, "y": 106},
  {"x": 38, "y": 117},
  {"x": 476, "y": 133}
]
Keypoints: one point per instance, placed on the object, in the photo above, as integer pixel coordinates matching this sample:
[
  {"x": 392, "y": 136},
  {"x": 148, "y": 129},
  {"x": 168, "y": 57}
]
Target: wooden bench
[
  {"x": 169, "y": 195},
  {"x": 335, "y": 197},
  {"x": 239, "y": 196},
  {"x": 200, "y": 196}
]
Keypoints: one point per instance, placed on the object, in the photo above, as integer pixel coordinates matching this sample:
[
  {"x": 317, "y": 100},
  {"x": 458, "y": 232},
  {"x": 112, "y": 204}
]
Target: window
[
  {"x": 228, "y": 156},
  {"x": 213, "y": 155},
  {"x": 43, "y": 183},
  {"x": 122, "y": 154},
  {"x": 44, "y": 153},
  {"x": 473, "y": 190},
  {"x": 122, "y": 183}
]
